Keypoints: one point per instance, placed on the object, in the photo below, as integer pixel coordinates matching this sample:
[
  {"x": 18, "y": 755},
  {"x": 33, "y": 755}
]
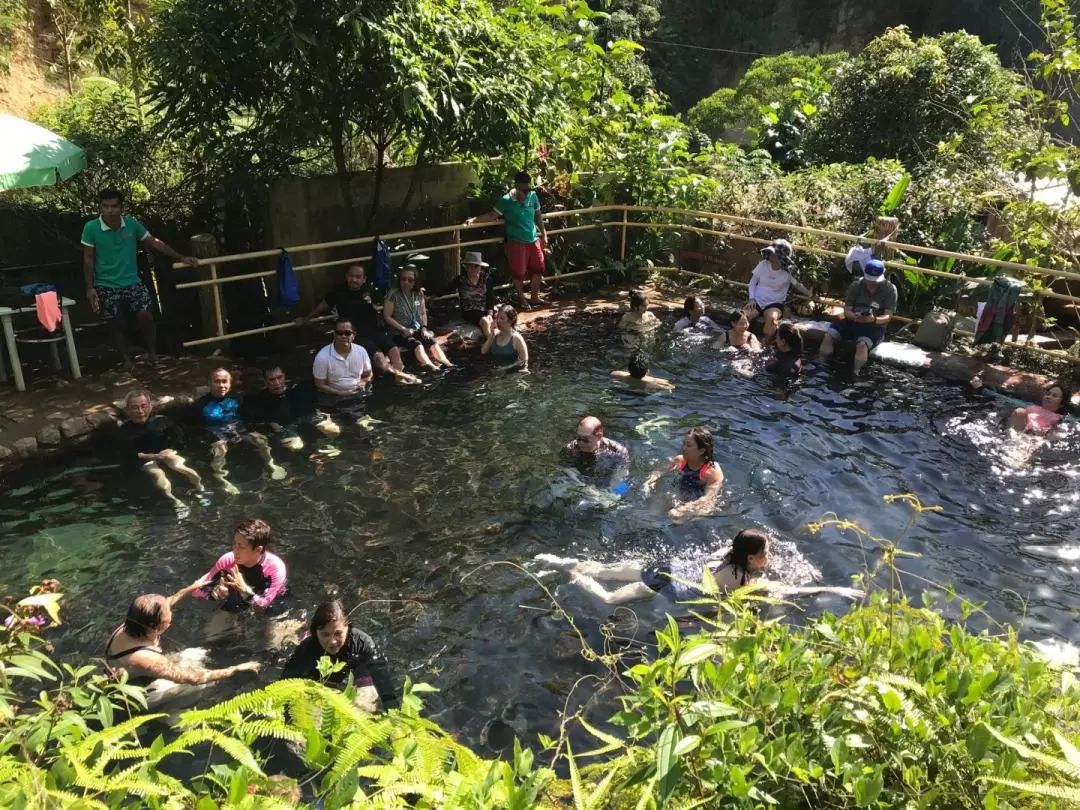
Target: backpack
[
  {"x": 935, "y": 331},
  {"x": 288, "y": 289},
  {"x": 381, "y": 271}
]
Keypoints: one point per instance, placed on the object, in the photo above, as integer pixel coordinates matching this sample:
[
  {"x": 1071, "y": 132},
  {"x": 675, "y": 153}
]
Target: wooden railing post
[
  {"x": 204, "y": 246},
  {"x": 622, "y": 246}
]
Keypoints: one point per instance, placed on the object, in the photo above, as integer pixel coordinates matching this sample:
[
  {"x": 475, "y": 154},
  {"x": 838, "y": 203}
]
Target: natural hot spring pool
[{"x": 460, "y": 475}]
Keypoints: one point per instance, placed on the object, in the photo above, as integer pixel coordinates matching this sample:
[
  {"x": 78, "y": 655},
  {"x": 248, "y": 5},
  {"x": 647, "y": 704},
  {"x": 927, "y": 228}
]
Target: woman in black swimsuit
[{"x": 135, "y": 646}]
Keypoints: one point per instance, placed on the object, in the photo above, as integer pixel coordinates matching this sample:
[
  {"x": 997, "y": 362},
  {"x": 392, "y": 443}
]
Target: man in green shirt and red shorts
[
  {"x": 526, "y": 236},
  {"x": 113, "y": 287}
]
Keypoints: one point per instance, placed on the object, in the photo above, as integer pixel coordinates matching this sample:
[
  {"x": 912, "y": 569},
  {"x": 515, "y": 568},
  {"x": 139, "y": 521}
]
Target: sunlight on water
[{"x": 408, "y": 517}]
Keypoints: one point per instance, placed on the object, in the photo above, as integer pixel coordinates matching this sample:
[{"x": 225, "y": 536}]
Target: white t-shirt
[
  {"x": 768, "y": 286},
  {"x": 704, "y": 324},
  {"x": 341, "y": 373}
]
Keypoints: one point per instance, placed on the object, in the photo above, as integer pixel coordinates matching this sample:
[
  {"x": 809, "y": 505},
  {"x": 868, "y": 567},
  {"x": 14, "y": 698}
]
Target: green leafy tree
[
  {"x": 917, "y": 101},
  {"x": 735, "y": 113},
  {"x": 74, "y": 22}
]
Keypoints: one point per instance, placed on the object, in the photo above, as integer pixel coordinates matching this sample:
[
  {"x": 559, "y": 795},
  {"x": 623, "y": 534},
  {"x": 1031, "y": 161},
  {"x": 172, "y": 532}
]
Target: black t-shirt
[
  {"x": 152, "y": 436},
  {"x": 361, "y": 657},
  {"x": 357, "y": 306},
  {"x": 293, "y": 404}
]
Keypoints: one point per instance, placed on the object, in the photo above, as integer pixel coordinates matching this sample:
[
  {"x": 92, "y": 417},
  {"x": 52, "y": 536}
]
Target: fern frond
[
  {"x": 110, "y": 736},
  {"x": 1065, "y": 794},
  {"x": 276, "y": 729},
  {"x": 259, "y": 701},
  {"x": 903, "y": 683},
  {"x": 358, "y": 746},
  {"x": 238, "y": 751},
  {"x": 1059, "y": 765},
  {"x": 575, "y": 780},
  {"x": 1068, "y": 750}
]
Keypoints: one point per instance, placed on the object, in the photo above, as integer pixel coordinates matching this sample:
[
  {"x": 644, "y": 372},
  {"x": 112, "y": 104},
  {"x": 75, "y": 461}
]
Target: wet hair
[
  {"x": 736, "y": 316},
  {"x": 704, "y": 440},
  {"x": 110, "y": 194},
  {"x": 356, "y": 266},
  {"x": 138, "y": 393},
  {"x": 747, "y": 543},
  {"x": 789, "y": 333},
  {"x": 271, "y": 368},
  {"x": 637, "y": 298},
  {"x": 1066, "y": 394},
  {"x": 340, "y": 320},
  {"x": 326, "y": 613},
  {"x": 256, "y": 530},
  {"x": 638, "y": 365},
  {"x": 144, "y": 615},
  {"x": 688, "y": 304},
  {"x": 509, "y": 312},
  {"x": 522, "y": 177}
]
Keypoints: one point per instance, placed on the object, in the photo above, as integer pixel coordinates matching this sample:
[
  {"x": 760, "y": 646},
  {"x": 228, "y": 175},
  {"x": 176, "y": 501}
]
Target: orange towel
[{"x": 49, "y": 313}]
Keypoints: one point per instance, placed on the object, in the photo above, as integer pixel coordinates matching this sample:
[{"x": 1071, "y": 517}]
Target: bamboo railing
[{"x": 624, "y": 224}]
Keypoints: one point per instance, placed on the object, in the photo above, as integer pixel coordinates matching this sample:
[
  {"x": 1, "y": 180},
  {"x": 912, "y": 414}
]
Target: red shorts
[{"x": 524, "y": 258}]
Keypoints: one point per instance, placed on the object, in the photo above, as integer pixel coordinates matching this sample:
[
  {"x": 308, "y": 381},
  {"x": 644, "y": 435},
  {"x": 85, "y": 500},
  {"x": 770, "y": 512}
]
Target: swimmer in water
[
  {"x": 602, "y": 461},
  {"x": 742, "y": 564},
  {"x": 700, "y": 477},
  {"x": 505, "y": 344},
  {"x": 637, "y": 374},
  {"x": 135, "y": 646},
  {"x": 219, "y": 412},
  {"x": 786, "y": 360},
  {"x": 1038, "y": 419},
  {"x": 739, "y": 336},
  {"x": 639, "y": 319},
  {"x": 249, "y": 576},
  {"x": 150, "y": 441},
  {"x": 333, "y": 636},
  {"x": 694, "y": 318}
]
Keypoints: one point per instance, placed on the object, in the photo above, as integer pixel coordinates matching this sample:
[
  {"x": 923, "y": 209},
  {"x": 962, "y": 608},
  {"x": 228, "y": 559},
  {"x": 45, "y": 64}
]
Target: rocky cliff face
[{"x": 687, "y": 74}]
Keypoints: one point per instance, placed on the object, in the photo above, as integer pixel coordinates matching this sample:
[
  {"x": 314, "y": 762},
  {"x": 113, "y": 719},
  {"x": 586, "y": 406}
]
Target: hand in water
[
  {"x": 235, "y": 581},
  {"x": 220, "y": 592},
  {"x": 248, "y": 666}
]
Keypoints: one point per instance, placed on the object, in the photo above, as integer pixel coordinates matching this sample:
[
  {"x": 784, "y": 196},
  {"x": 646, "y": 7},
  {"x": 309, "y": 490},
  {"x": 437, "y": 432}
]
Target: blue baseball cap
[{"x": 874, "y": 270}]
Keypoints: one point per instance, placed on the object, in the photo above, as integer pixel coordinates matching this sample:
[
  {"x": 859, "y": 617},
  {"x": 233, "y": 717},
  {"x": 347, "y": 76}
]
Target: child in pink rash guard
[{"x": 249, "y": 575}]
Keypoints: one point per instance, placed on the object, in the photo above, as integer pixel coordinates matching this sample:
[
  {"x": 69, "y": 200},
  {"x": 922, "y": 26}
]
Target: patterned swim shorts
[{"x": 115, "y": 301}]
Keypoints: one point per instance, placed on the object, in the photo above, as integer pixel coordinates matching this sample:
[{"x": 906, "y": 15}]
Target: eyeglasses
[{"x": 343, "y": 332}]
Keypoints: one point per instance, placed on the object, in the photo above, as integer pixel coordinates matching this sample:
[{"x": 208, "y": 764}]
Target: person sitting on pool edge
[
  {"x": 475, "y": 290},
  {"x": 744, "y": 562},
  {"x": 637, "y": 374},
  {"x": 694, "y": 317},
  {"x": 505, "y": 344},
  {"x": 639, "y": 319},
  {"x": 603, "y": 461},
  {"x": 868, "y": 307},
  {"x": 286, "y": 410},
  {"x": 219, "y": 411},
  {"x": 135, "y": 647},
  {"x": 332, "y": 635},
  {"x": 150, "y": 441},
  {"x": 700, "y": 477},
  {"x": 354, "y": 299},
  {"x": 342, "y": 370},
  {"x": 739, "y": 336},
  {"x": 786, "y": 360},
  {"x": 249, "y": 576},
  {"x": 1041, "y": 418},
  {"x": 770, "y": 283},
  {"x": 405, "y": 311}
]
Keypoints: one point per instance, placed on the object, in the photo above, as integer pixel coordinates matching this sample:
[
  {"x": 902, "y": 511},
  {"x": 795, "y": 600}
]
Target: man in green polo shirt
[
  {"x": 113, "y": 287},
  {"x": 526, "y": 236}
]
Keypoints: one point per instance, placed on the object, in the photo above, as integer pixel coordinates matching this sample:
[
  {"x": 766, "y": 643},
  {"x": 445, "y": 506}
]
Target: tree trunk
[
  {"x": 381, "y": 145},
  {"x": 414, "y": 177},
  {"x": 337, "y": 142}
]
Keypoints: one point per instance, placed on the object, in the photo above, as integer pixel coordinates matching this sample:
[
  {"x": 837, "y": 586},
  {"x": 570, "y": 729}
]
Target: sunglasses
[{"x": 343, "y": 332}]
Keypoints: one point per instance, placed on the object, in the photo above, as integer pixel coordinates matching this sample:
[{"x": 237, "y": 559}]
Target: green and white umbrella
[{"x": 32, "y": 156}]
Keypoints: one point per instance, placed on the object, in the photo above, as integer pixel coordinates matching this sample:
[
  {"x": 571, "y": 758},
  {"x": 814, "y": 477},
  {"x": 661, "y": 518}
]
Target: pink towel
[{"x": 48, "y": 310}]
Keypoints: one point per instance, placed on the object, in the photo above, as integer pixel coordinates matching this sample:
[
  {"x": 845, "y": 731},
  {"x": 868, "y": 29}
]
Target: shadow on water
[{"x": 462, "y": 473}]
